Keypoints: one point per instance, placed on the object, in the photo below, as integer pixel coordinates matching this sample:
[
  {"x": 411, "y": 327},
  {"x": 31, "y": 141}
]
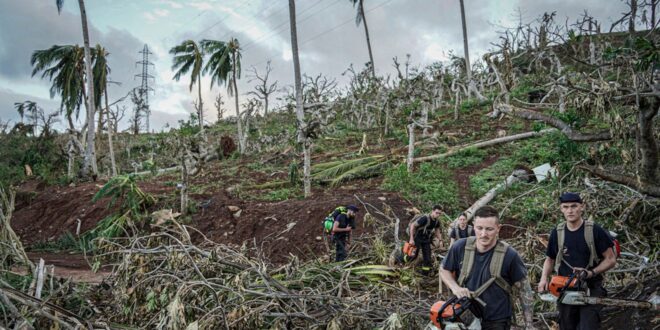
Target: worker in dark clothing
[
  {"x": 342, "y": 228},
  {"x": 422, "y": 230},
  {"x": 486, "y": 267},
  {"x": 461, "y": 229},
  {"x": 583, "y": 247}
]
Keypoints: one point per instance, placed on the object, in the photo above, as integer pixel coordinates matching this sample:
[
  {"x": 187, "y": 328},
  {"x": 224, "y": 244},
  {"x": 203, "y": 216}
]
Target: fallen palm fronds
[
  {"x": 11, "y": 248},
  {"x": 340, "y": 171},
  {"x": 163, "y": 280}
]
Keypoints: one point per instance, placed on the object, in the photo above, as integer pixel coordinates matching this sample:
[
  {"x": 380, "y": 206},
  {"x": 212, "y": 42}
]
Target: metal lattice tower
[{"x": 144, "y": 87}]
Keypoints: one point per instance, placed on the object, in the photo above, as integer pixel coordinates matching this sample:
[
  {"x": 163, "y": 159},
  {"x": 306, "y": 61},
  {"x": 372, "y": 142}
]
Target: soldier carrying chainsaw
[
  {"x": 481, "y": 272},
  {"x": 423, "y": 231},
  {"x": 578, "y": 250}
]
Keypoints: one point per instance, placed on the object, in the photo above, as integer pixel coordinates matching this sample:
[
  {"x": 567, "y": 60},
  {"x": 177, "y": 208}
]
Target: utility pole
[{"x": 144, "y": 87}]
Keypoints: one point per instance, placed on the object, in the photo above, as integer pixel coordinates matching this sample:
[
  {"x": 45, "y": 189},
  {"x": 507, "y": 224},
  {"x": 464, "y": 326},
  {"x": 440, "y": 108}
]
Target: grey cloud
[{"x": 396, "y": 29}]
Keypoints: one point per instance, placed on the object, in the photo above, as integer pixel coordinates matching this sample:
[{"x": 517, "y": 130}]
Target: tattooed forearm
[{"x": 526, "y": 300}]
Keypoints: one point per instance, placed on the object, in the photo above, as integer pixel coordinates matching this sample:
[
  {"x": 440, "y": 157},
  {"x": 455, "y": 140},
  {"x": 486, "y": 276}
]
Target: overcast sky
[{"x": 328, "y": 38}]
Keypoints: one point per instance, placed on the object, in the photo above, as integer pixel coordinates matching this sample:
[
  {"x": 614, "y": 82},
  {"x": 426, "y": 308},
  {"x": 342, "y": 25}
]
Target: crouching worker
[
  {"x": 487, "y": 268},
  {"x": 341, "y": 229},
  {"x": 423, "y": 229}
]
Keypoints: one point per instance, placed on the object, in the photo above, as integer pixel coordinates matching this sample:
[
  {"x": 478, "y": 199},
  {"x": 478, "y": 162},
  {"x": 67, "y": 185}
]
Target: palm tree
[
  {"x": 472, "y": 88},
  {"x": 30, "y": 110},
  {"x": 225, "y": 58},
  {"x": 300, "y": 114},
  {"x": 465, "y": 43},
  {"x": 64, "y": 66},
  {"x": 89, "y": 162},
  {"x": 188, "y": 56},
  {"x": 360, "y": 18},
  {"x": 101, "y": 72}
]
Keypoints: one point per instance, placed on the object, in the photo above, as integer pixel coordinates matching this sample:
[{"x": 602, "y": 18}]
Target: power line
[
  {"x": 282, "y": 26},
  {"x": 221, "y": 20},
  {"x": 253, "y": 25},
  {"x": 328, "y": 30}
]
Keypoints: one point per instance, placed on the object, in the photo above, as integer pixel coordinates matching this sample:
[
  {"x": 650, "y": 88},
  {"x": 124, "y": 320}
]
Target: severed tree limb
[
  {"x": 515, "y": 177},
  {"x": 641, "y": 186},
  {"x": 487, "y": 143},
  {"x": 562, "y": 126}
]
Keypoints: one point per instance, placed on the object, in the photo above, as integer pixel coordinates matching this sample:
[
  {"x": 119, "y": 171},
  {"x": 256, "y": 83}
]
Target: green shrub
[
  {"x": 430, "y": 184},
  {"x": 465, "y": 158}
]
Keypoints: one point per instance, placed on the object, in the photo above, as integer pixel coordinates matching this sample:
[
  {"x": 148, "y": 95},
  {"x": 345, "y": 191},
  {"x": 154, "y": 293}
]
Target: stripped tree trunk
[
  {"x": 515, "y": 177},
  {"x": 483, "y": 144},
  {"x": 300, "y": 114},
  {"x": 184, "y": 183},
  {"x": 411, "y": 147},
  {"x": 89, "y": 162},
  {"x": 111, "y": 150}
]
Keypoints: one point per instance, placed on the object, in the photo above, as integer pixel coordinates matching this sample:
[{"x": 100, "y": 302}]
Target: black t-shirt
[
  {"x": 424, "y": 232},
  {"x": 462, "y": 233},
  {"x": 344, "y": 221},
  {"x": 498, "y": 304},
  {"x": 576, "y": 250}
]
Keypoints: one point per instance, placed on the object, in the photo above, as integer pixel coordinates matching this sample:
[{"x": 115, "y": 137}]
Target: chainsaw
[
  {"x": 457, "y": 314},
  {"x": 573, "y": 290}
]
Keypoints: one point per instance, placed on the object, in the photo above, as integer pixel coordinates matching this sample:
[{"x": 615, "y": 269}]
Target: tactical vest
[
  {"x": 456, "y": 230},
  {"x": 496, "y": 263},
  {"x": 588, "y": 237},
  {"x": 425, "y": 230}
]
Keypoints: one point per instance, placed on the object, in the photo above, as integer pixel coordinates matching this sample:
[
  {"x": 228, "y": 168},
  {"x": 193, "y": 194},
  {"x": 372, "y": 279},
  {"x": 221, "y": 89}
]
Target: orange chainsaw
[
  {"x": 573, "y": 290},
  {"x": 457, "y": 314}
]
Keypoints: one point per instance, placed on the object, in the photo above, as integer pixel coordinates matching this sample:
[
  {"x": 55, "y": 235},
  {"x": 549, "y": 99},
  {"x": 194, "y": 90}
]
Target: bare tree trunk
[
  {"x": 515, "y": 177},
  {"x": 411, "y": 147},
  {"x": 654, "y": 3},
  {"x": 483, "y": 144},
  {"x": 425, "y": 119},
  {"x": 184, "y": 182},
  {"x": 241, "y": 146},
  {"x": 89, "y": 162},
  {"x": 457, "y": 98},
  {"x": 642, "y": 186},
  {"x": 266, "y": 106},
  {"x": 555, "y": 122},
  {"x": 466, "y": 52},
  {"x": 200, "y": 109},
  {"x": 300, "y": 115},
  {"x": 633, "y": 16},
  {"x": 111, "y": 150},
  {"x": 366, "y": 32}
]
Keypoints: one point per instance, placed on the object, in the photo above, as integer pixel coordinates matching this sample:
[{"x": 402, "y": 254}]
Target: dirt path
[{"x": 68, "y": 266}]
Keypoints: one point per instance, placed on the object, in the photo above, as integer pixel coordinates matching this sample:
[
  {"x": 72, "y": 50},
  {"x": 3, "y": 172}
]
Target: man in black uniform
[
  {"x": 461, "y": 229},
  {"x": 488, "y": 268},
  {"x": 422, "y": 230},
  {"x": 586, "y": 249},
  {"x": 344, "y": 224}
]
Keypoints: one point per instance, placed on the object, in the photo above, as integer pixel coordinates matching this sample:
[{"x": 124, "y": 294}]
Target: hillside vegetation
[{"x": 203, "y": 230}]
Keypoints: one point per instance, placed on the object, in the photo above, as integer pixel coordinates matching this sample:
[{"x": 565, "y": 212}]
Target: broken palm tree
[{"x": 134, "y": 203}]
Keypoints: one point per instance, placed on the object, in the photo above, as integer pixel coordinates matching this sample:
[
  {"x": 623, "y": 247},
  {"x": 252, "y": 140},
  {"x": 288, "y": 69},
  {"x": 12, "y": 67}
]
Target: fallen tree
[{"x": 482, "y": 144}]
